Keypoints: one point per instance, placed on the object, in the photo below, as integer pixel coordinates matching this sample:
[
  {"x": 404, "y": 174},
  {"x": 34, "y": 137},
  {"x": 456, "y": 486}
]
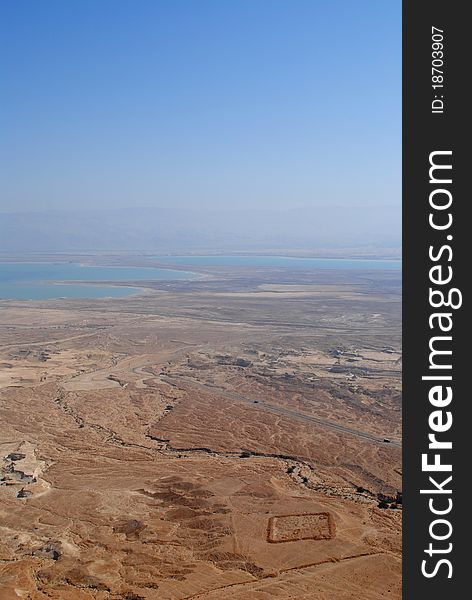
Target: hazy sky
[{"x": 265, "y": 103}]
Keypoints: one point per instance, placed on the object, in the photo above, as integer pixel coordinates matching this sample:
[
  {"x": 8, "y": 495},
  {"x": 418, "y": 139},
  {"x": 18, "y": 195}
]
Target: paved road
[{"x": 264, "y": 405}]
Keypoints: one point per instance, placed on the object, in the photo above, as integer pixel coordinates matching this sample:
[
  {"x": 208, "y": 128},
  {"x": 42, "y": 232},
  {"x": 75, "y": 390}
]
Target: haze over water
[{"x": 282, "y": 261}]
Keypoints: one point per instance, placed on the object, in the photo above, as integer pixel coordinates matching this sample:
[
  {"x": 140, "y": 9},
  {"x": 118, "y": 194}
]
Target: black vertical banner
[{"x": 437, "y": 430}]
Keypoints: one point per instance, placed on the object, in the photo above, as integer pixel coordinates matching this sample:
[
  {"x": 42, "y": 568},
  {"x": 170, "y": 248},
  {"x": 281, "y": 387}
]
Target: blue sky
[{"x": 264, "y": 103}]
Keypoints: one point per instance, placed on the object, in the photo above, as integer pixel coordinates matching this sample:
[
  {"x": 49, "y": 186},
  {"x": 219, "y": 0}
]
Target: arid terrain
[{"x": 236, "y": 436}]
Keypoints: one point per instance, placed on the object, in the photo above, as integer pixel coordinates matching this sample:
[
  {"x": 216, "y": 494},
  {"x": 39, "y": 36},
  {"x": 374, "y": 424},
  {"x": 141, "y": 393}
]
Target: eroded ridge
[{"x": 237, "y": 436}]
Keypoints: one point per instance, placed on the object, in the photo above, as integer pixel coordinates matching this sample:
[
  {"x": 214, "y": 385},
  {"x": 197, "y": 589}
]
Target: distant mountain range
[{"x": 183, "y": 230}]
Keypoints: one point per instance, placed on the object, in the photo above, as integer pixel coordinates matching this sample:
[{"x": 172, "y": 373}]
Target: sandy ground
[{"x": 231, "y": 437}]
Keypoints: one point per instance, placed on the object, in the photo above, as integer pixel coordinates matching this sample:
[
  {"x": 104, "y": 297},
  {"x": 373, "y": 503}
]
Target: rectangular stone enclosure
[{"x": 291, "y": 528}]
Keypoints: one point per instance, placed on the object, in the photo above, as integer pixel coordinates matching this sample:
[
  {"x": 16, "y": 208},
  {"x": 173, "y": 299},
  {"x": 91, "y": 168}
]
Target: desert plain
[{"x": 234, "y": 436}]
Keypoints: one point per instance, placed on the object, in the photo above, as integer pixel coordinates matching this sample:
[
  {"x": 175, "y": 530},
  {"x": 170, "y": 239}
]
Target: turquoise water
[
  {"x": 282, "y": 261},
  {"x": 36, "y": 281}
]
